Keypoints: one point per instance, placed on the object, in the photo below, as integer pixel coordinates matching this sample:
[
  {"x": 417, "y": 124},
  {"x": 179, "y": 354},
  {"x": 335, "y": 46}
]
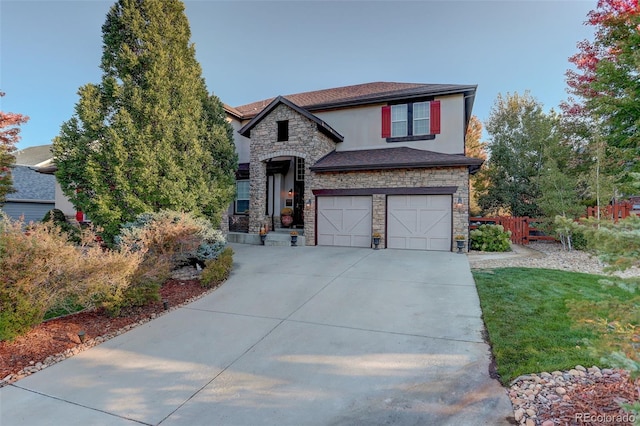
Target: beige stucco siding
[
  {"x": 361, "y": 128},
  {"x": 241, "y": 143}
]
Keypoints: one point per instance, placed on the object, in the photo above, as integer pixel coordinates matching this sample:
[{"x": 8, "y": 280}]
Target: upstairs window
[
  {"x": 421, "y": 118},
  {"x": 411, "y": 121},
  {"x": 283, "y": 130},
  {"x": 399, "y": 120}
]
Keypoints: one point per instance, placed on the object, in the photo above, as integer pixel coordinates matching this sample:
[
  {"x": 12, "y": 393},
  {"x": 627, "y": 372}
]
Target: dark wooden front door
[{"x": 298, "y": 203}]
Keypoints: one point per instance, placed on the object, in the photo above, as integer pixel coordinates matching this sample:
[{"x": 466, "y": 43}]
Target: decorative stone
[
  {"x": 580, "y": 368},
  {"x": 547, "y": 423},
  {"x": 530, "y": 422},
  {"x": 560, "y": 390},
  {"x": 518, "y": 414}
]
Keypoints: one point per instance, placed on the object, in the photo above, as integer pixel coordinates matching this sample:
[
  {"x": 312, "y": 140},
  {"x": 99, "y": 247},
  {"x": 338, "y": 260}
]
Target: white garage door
[
  {"x": 419, "y": 222},
  {"x": 344, "y": 221}
]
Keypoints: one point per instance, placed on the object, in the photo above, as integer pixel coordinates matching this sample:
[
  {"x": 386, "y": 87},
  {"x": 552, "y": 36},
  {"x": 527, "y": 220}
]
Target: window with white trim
[
  {"x": 411, "y": 121},
  {"x": 242, "y": 196},
  {"x": 398, "y": 120},
  {"x": 421, "y": 117}
]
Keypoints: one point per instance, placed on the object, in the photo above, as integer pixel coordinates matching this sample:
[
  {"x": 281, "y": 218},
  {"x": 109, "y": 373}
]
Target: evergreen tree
[{"x": 149, "y": 136}]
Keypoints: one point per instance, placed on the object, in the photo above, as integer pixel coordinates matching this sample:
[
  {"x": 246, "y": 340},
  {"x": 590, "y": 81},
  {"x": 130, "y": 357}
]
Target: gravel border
[{"x": 548, "y": 255}]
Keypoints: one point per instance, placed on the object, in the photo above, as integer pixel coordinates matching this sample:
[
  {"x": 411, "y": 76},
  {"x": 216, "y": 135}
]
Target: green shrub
[
  {"x": 217, "y": 270},
  {"x": 57, "y": 217},
  {"x": 490, "y": 238},
  {"x": 179, "y": 238}
]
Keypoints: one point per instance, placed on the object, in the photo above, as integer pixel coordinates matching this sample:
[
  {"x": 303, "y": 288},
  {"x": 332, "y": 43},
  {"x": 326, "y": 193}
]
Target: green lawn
[{"x": 538, "y": 319}]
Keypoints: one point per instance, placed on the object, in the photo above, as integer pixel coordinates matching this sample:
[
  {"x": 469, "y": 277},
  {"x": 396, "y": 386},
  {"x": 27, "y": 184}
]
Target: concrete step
[{"x": 282, "y": 239}]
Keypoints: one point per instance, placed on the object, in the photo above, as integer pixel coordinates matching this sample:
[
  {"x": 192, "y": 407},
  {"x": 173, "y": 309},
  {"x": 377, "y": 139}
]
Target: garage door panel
[
  {"x": 419, "y": 222},
  {"x": 344, "y": 221}
]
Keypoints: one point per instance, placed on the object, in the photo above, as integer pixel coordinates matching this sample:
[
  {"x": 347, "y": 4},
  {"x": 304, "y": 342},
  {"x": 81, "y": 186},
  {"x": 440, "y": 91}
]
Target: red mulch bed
[{"x": 56, "y": 336}]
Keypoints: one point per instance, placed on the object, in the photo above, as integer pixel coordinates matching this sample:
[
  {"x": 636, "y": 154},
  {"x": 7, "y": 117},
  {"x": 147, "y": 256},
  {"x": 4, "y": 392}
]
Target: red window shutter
[
  {"x": 386, "y": 121},
  {"x": 435, "y": 117}
]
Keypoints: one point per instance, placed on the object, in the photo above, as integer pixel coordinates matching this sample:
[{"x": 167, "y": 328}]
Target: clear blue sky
[{"x": 253, "y": 50}]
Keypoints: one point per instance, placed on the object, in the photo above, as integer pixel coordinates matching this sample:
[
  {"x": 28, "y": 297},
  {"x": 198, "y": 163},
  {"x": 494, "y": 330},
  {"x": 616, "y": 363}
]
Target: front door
[
  {"x": 298, "y": 204},
  {"x": 298, "y": 193}
]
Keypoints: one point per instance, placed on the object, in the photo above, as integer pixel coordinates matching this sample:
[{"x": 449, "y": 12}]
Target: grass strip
[{"x": 527, "y": 315}]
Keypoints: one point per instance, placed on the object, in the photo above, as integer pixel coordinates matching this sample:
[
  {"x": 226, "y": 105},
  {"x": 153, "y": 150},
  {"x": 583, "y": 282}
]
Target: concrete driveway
[{"x": 297, "y": 336}]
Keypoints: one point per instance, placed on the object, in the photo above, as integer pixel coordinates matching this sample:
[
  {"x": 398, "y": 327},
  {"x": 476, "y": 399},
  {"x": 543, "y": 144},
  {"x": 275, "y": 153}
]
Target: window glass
[
  {"x": 398, "y": 120},
  {"x": 242, "y": 196},
  {"x": 421, "y": 118}
]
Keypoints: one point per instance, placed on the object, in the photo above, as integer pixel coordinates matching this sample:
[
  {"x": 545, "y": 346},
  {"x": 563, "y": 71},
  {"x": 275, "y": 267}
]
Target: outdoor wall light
[
  {"x": 458, "y": 204},
  {"x": 309, "y": 202},
  {"x": 290, "y": 192}
]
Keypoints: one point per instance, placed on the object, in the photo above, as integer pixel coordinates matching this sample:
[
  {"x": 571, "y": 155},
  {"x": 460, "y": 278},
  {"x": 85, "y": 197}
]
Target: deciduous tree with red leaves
[
  {"x": 606, "y": 81},
  {"x": 9, "y": 137}
]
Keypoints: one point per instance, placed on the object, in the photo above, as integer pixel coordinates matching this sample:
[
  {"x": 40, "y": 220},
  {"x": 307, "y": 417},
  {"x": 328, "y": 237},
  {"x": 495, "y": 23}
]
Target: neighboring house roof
[
  {"x": 391, "y": 158},
  {"x": 31, "y": 185},
  {"x": 322, "y": 126},
  {"x": 362, "y": 94},
  {"x": 33, "y": 155}
]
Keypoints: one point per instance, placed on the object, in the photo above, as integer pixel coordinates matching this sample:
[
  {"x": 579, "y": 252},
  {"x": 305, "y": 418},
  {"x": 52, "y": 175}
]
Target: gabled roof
[
  {"x": 31, "y": 185},
  {"x": 361, "y": 94},
  {"x": 391, "y": 158},
  {"x": 322, "y": 126}
]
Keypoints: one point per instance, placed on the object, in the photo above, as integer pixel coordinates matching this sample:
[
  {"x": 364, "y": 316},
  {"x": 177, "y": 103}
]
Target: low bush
[
  {"x": 490, "y": 238},
  {"x": 217, "y": 270},
  {"x": 43, "y": 270},
  {"x": 175, "y": 237}
]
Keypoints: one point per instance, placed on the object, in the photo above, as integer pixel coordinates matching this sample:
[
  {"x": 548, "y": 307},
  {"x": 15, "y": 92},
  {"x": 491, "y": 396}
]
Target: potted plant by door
[
  {"x": 376, "y": 240},
  {"x": 263, "y": 234},
  {"x": 460, "y": 240},
  {"x": 294, "y": 238},
  {"x": 286, "y": 216}
]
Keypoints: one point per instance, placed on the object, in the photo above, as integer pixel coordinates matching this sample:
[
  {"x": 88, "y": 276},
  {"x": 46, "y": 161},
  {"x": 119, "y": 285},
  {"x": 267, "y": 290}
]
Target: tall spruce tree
[{"x": 149, "y": 136}]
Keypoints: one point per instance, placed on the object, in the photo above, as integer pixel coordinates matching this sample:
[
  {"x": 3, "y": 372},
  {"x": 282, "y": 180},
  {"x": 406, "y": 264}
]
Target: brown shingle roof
[
  {"x": 322, "y": 126},
  {"x": 391, "y": 158},
  {"x": 358, "y": 94}
]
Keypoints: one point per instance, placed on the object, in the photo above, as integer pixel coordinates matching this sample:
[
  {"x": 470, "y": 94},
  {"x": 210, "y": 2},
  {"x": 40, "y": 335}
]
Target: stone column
[{"x": 257, "y": 195}]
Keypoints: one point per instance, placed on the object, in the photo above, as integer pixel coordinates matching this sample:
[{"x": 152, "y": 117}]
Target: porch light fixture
[
  {"x": 290, "y": 192},
  {"x": 309, "y": 202},
  {"x": 458, "y": 204}
]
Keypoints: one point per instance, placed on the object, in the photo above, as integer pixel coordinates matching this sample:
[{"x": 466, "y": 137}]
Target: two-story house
[{"x": 382, "y": 157}]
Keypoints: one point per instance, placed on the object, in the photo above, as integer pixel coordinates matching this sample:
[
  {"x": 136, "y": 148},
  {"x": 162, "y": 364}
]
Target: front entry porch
[{"x": 278, "y": 194}]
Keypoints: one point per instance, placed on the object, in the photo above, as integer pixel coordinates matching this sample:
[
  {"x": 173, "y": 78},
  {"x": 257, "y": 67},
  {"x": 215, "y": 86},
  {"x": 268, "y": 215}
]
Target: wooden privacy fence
[
  {"x": 611, "y": 211},
  {"x": 522, "y": 228}
]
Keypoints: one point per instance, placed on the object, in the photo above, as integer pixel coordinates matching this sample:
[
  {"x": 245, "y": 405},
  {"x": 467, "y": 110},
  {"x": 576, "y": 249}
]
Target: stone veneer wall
[
  {"x": 411, "y": 178},
  {"x": 305, "y": 141}
]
